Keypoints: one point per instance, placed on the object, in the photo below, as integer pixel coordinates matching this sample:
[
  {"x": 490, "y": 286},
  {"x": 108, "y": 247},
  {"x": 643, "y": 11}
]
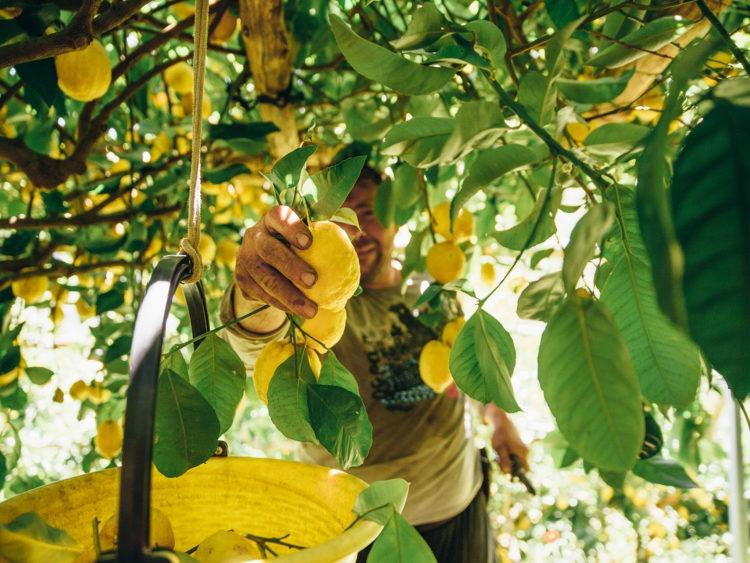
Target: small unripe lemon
[
  {"x": 207, "y": 248},
  {"x": 270, "y": 358},
  {"x": 31, "y": 289},
  {"x": 108, "y": 440},
  {"x": 160, "y": 528},
  {"x": 578, "y": 131},
  {"x": 226, "y": 252},
  {"x": 487, "y": 272},
  {"x": 451, "y": 330},
  {"x": 433, "y": 365},
  {"x": 226, "y": 546},
  {"x": 326, "y": 327},
  {"x": 333, "y": 257},
  {"x": 84, "y": 75},
  {"x": 445, "y": 262},
  {"x": 179, "y": 77},
  {"x": 79, "y": 390},
  {"x": 463, "y": 226},
  {"x": 187, "y": 105}
]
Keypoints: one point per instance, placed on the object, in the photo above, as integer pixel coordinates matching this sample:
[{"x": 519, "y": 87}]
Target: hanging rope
[{"x": 190, "y": 244}]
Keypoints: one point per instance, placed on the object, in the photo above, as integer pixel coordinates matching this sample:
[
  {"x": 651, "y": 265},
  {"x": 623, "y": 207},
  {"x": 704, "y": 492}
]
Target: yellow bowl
[{"x": 265, "y": 497}]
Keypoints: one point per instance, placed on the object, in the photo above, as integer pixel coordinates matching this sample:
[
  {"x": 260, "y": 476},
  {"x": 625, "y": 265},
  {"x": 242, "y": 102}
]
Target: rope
[{"x": 190, "y": 244}]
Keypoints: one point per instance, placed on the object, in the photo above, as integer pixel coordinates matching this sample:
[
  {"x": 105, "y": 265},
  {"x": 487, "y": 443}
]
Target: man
[{"x": 417, "y": 435}]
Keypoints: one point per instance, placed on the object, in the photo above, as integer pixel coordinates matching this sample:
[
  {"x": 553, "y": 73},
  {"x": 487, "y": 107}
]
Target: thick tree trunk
[{"x": 267, "y": 44}]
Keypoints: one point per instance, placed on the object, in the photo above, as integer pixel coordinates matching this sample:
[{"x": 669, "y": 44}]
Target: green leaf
[
  {"x": 535, "y": 96},
  {"x": 339, "y": 419},
  {"x": 378, "y": 501},
  {"x": 489, "y": 166},
  {"x": 3, "y": 469},
  {"x": 176, "y": 362},
  {"x": 651, "y": 37},
  {"x": 667, "y": 363},
  {"x": 334, "y": 184},
  {"x": 333, "y": 372},
  {"x": 489, "y": 38},
  {"x": 595, "y": 91},
  {"x": 482, "y": 361},
  {"x": 664, "y": 472},
  {"x": 590, "y": 386},
  {"x": 386, "y": 67},
  {"x": 615, "y": 479},
  {"x": 288, "y": 169},
  {"x": 613, "y": 139},
  {"x": 478, "y": 124},
  {"x": 38, "y": 375},
  {"x": 537, "y": 226},
  {"x": 588, "y": 232},
  {"x": 30, "y": 539},
  {"x": 419, "y": 141},
  {"x": 119, "y": 348},
  {"x": 41, "y": 77},
  {"x": 385, "y": 204},
  {"x": 405, "y": 186},
  {"x": 186, "y": 427},
  {"x": 399, "y": 542},
  {"x": 226, "y": 173},
  {"x": 541, "y": 298},
  {"x": 287, "y": 398},
  {"x": 218, "y": 373},
  {"x": 251, "y": 130},
  {"x": 110, "y": 300},
  {"x": 427, "y": 25},
  {"x": 711, "y": 205}
]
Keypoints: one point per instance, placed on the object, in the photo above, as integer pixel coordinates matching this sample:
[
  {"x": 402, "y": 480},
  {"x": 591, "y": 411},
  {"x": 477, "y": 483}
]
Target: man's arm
[{"x": 505, "y": 439}]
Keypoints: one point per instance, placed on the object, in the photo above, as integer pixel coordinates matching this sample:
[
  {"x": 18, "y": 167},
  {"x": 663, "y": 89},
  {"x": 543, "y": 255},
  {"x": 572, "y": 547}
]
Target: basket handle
[{"x": 145, "y": 358}]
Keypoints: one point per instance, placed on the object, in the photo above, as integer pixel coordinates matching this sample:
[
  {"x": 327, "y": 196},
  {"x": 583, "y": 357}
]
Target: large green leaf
[
  {"x": 218, "y": 373},
  {"x": 482, "y": 361},
  {"x": 541, "y": 298},
  {"x": 478, "y": 124},
  {"x": 537, "y": 226},
  {"x": 588, "y": 232},
  {"x": 490, "y": 40},
  {"x": 334, "y": 184},
  {"x": 377, "y": 501},
  {"x": 427, "y": 25},
  {"x": 590, "y": 386},
  {"x": 595, "y": 91},
  {"x": 418, "y": 141},
  {"x": 612, "y": 139},
  {"x": 492, "y": 164},
  {"x": 711, "y": 209},
  {"x": 288, "y": 169},
  {"x": 287, "y": 398},
  {"x": 667, "y": 363},
  {"x": 399, "y": 542},
  {"x": 664, "y": 472},
  {"x": 186, "y": 427},
  {"x": 30, "y": 539},
  {"x": 386, "y": 67},
  {"x": 652, "y": 36}
]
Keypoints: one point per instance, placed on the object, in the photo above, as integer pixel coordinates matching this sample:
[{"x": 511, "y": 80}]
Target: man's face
[{"x": 374, "y": 243}]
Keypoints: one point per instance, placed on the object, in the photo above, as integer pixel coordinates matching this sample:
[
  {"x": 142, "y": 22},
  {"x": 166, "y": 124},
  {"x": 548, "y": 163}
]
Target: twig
[
  {"x": 84, "y": 219},
  {"x": 736, "y": 51}
]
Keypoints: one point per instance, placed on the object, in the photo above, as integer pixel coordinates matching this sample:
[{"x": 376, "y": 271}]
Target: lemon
[
  {"x": 179, "y": 77},
  {"x": 10, "y": 13},
  {"x": 445, "y": 262},
  {"x": 226, "y": 252},
  {"x": 183, "y": 10},
  {"x": 333, "y": 257},
  {"x": 161, "y": 531},
  {"x": 270, "y": 358},
  {"x": 451, "y": 330},
  {"x": 161, "y": 146},
  {"x": 226, "y": 546},
  {"x": 207, "y": 248},
  {"x": 463, "y": 226},
  {"x": 326, "y": 327},
  {"x": 433, "y": 365},
  {"x": 108, "y": 440},
  {"x": 98, "y": 394},
  {"x": 84, "y": 75},
  {"x": 225, "y": 28},
  {"x": 578, "y": 131},
  {"x": 85, "y": 311},
  {"x": 30, "y": 289},
  {"x": 79, "y": 390},
  {"x": 187, "y": 105},
  {"x": 487, "y": 273},
  {"x": 10, "y": 376}
]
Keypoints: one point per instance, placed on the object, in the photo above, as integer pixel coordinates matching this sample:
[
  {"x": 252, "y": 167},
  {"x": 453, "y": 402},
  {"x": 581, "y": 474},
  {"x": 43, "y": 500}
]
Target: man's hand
[
  {"x": 505, "y": 440},
  {"x": 267, "y": 270}
]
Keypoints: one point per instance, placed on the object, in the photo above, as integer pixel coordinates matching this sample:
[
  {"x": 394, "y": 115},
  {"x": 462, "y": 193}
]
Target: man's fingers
[
  {"x": 251, "y": 289},
  {"x": 279, "y": 255},
  {"x": 282, "y": 290},
  {"x": 285, "y": 222},
  {"x": 503, "y": 459}
]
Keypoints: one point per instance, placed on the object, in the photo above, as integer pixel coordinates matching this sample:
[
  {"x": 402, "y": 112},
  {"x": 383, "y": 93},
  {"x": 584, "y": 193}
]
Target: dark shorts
[{"x": 465, "y": 538}]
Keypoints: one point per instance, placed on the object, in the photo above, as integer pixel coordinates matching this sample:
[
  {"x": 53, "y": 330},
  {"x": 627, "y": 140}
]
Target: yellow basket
[{"x": 265, "y": 497}]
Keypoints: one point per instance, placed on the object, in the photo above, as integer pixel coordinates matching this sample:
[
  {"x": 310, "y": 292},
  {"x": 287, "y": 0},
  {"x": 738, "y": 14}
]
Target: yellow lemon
[
  {"x": 226, "y": 252},
  {"x": 226, "y": 546},
  {"x": 187, "y": 104},
  {"x": 270, "y": 358},
  {"x": 183, "y": 10},
  {"x": 445, "y": 262},
  {"x": 325, "y": 327},
  {"x": 9, "y": 377},
  {"x": 84, "y": 75},
  {"x": 85, "y": 311},
  {"x": 79, "y": 390},
  {"x": 577, "y": 131},
  {"x": 10, "y": 13},
  {"x": 161, "y": 531},
  {"x": 333, "y": 257},
  {"x": 463, "y": 226},
  {"x": 207, "y": 248},
  {"x": 487, "y": 272},
  {"x": 161, "y": 146},
  {"x": 31, "y": 289},
  {"x": 179, "y": 77},
  {"x": 433, "y": 365},
  {"x": 451, "y": 330},
  {"x": 108, "y": 439},
  {"x": 225, "y": 28},
  {"x": 98, "y": 394}
]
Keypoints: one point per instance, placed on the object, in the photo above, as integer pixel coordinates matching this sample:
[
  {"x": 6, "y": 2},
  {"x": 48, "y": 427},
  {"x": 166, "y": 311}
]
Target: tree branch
[{"x": 43, "y": 171}]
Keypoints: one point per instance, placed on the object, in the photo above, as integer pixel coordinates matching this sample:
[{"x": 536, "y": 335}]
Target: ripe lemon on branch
[
  {"x": 433, "y": 365},
  {"x": 445, "y": 262},
  {"x": 31, "y": 289},
  {"x": 324, "y": 329},
  {"x": 463, "y": 226},
  {"x": 108, "y": 440},
  {"x": 84, "y": 75},
  {"x": 451, "y": 330},
  {"x": 333, "y": 257},
  {"x": 179, "y": 77},
  {"x": 270, "y": 358}
]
